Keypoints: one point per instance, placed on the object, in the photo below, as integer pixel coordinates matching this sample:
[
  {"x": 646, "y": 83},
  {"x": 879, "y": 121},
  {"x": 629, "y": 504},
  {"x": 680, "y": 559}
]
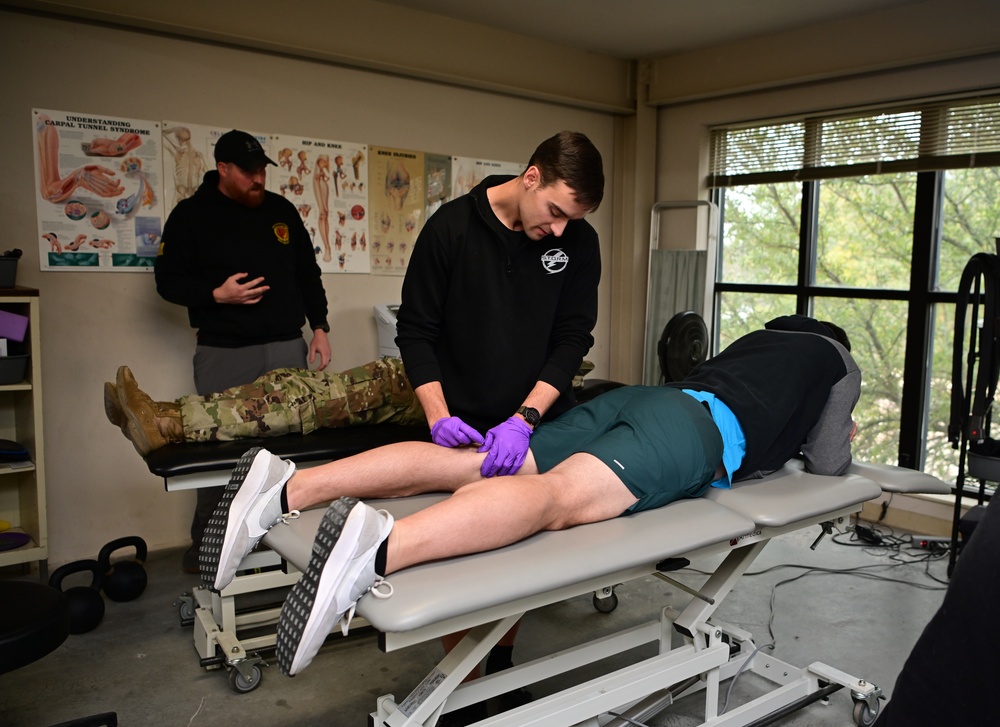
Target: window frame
[{"x": 921, "y": 297}]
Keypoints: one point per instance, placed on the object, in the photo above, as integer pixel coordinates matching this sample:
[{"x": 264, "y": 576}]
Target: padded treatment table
[
  {"x": 261, "y": 585},
  {"x": 209, "y": 464},
  {"x": 488, "y": 592}
]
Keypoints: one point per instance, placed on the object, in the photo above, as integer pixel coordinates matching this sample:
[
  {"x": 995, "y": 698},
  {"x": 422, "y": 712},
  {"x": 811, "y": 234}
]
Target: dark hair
[
  {"x": 838, "y": 334},
  {"x": 571, "y": 157}
]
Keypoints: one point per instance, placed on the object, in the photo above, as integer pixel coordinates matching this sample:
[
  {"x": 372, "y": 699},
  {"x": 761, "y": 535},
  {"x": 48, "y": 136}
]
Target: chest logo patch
[
  {"x": 281, "y": 232},
  {"x": 555, "y": 261}
]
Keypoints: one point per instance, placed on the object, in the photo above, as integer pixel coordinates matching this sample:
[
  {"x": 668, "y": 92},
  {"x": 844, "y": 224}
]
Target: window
[
  {"x": 768, "y": 212},
  {"x": 865, "y": 232},
  {"x": 866, "y": 219}
]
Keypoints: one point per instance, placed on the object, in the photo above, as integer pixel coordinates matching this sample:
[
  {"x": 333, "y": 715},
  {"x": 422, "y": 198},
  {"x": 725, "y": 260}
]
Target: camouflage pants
[{"x": 287, "y": 401}]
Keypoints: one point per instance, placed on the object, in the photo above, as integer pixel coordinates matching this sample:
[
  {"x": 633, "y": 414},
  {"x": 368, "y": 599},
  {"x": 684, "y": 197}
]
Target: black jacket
[
  {"x": 488, "y": 312},
  {"x": 792, "y": 388},
  {"x": 209, "y": 237}
]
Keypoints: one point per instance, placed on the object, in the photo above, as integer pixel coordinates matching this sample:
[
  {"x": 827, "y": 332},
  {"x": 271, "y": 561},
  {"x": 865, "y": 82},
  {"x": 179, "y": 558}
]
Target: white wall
[{"x": 98, "y": 487}]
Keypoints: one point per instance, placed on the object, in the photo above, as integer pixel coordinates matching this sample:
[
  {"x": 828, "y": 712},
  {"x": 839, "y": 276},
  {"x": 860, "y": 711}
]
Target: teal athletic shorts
[{"x": 662, "y": 443}]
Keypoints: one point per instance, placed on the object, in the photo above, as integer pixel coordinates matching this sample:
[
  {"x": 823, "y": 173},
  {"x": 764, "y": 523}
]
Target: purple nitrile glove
[
  {"x": 453, "y": 432},
  {"x": 507, "y": 444}
]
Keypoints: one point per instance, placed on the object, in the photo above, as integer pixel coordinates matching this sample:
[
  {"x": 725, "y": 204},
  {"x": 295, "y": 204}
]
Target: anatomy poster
[
  {"x": 187, "y": 155},
  {"x": 99, "y": 203},
  {"x": 467, "y": 172},
  {"x": 327, "y": 181},
  {"x": 189, "y": 152},
  {"x": 396, "y": 181}
]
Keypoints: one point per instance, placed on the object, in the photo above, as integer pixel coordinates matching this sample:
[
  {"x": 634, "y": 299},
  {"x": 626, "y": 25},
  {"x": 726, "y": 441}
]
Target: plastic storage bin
[{"x": 12, "y": 368}]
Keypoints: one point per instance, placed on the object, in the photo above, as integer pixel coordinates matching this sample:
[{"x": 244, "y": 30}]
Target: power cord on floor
[
  {"x": 905, "y": 548},
  {"x": 744, "y": 665}
]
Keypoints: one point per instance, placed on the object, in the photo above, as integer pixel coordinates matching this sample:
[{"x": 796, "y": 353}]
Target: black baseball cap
[{"x": 241, "y": 149}]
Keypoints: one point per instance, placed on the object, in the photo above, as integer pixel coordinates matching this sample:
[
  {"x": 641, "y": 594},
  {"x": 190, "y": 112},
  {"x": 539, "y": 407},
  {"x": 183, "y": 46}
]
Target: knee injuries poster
[{"x": 397, "y": 207}]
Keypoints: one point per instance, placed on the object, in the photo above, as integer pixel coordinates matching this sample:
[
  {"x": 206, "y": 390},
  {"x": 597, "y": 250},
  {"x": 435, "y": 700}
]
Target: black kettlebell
[
  {"x": 124, "y": 580},
  {"x": 86, "y": 607}
]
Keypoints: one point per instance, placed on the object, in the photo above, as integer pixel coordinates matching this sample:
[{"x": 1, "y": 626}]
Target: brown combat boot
[
  {"x": 149, "y": 425},
  {"x": 113, "y": 407}
]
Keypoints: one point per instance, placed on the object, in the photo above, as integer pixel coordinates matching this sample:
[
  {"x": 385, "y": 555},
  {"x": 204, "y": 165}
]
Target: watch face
[{"x": 530, "y": 415}]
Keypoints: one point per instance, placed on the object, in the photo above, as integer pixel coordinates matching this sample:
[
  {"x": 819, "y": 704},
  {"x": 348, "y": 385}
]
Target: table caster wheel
[
  {"x": 865, "y": 716},
  {"x": 186, "y": 612},
  {"x": 606, "y": 604},
  {"x": 243, "y": 684}
]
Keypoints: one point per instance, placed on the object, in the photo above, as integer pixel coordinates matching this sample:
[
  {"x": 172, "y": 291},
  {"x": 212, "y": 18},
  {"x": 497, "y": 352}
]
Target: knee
[{"x": 554, "y": 500}]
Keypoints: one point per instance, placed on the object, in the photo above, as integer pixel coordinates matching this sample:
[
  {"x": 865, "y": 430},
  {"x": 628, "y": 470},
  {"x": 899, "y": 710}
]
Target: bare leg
[
  {"x": 490, "y": 514},
  {"x": 482, "y": 515},
  {"x": 395, "y": 470}
]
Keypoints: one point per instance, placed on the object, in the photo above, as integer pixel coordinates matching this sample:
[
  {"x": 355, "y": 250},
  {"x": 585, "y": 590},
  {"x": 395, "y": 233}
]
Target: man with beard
[{"x": 240, "y": 260}]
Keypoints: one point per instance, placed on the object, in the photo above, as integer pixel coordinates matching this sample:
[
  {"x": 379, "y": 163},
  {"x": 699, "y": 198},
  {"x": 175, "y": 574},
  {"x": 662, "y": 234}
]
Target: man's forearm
[
  {"x": 541, "y": 398},
  {"x": 431, "y": 398}
]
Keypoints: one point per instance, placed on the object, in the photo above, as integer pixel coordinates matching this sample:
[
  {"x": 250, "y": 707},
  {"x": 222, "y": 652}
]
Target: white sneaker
[
  {"x": 250, "y": 506},
  {"x": 341, "y": 570}
]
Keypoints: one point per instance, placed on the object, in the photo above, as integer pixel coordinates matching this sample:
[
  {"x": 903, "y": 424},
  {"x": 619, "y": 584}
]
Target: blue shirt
[{"x": 734, "y": 442}]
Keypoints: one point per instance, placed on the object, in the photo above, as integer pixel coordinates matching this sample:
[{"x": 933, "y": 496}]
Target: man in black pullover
[
  {"x": 499, "y": 300},
  {"x": 498, "y": 305},
  {"x": 631, "y": 449},
  {"x": 240, "y": 260}
]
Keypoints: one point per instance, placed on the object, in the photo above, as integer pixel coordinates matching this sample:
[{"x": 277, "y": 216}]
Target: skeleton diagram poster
[
  {"x": 189, "y": 153},
  {"x": 327, "y": 181},
  {"x": 396, "y": 181},
  {"x": 99, "y": 197},
  {"x": 187, "y": 156}
]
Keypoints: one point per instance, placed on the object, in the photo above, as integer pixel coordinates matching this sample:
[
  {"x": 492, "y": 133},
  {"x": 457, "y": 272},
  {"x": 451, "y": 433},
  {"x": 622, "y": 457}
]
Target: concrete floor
[{"x": 140, "y": 661}]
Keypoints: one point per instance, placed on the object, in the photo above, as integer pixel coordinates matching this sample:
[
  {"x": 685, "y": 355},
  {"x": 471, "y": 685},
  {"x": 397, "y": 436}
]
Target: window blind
[{"x": 927, "y": 136}]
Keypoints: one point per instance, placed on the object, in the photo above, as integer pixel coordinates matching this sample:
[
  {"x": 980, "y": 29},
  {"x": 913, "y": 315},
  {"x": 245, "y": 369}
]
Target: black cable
[{"x": 892, "y": 546}]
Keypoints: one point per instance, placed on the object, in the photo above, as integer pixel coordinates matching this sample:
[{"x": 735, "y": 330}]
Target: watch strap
[{"x": 531, "y": 416}]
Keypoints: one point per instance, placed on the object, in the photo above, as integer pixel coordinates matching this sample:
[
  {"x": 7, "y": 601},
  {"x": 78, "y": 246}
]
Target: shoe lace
[
  {"x": 293, "y": 515},
  {"x": 381, "y": 588}
]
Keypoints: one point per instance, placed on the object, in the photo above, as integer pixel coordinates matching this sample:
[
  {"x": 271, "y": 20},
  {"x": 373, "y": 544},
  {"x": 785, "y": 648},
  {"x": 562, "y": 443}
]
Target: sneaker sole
[
  {"x": 215, "y": 547},
  {"x": 302, "y": 629}
]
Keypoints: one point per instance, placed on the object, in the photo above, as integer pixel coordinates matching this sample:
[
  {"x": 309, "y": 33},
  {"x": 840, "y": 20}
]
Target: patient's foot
[
  {"x": 250, "y": 506},
  {"x": 341, "y": 570},
  {"x": 148, "y": 424}
]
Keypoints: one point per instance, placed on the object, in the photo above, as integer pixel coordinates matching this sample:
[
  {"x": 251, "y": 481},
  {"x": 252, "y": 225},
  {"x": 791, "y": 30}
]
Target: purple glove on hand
[
  {"x": 507, "y": 445},
  {"x": 453, "y": 432}
]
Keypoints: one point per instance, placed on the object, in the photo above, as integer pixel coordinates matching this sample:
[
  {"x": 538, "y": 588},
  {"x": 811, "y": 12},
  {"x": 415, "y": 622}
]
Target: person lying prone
[{"x": 631, "y": 449}]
